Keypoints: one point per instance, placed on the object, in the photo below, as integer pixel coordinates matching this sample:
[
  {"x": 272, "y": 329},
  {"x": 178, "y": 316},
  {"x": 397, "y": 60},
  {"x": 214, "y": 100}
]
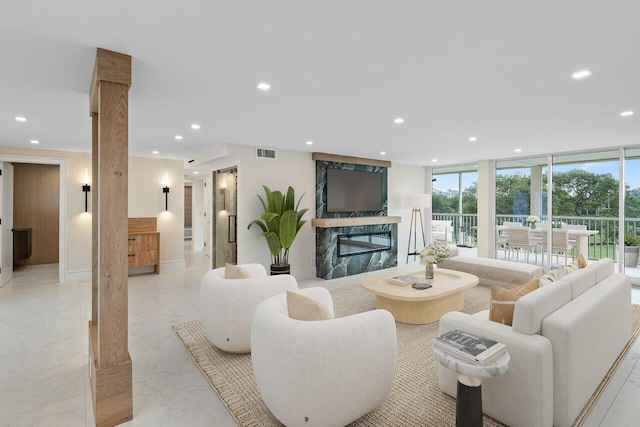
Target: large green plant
[{"x": 280, "y": 222}]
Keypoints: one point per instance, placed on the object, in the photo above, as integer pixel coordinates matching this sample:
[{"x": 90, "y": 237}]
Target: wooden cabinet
[
  {"x": 144, "y": 243},
  {"x": 21, "y": 245}
]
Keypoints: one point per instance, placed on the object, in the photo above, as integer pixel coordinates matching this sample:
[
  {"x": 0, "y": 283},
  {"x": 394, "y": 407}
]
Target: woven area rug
[{"x": 414, "y": 399}]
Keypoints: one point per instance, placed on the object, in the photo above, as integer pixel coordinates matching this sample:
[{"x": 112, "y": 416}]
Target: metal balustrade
[
  {"x": 602, "y": 245},
  {"x": 465, "y": 231}
]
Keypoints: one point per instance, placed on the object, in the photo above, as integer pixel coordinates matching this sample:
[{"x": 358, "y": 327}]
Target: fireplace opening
[{"x": 355, "y": 244}]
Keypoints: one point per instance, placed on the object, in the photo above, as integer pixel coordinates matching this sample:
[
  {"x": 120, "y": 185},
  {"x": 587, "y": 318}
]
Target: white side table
[{"x": 469, "y": 401}]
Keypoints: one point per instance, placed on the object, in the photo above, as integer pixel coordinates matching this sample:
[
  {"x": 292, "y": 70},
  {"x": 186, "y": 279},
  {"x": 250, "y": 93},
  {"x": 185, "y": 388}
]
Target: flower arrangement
[
  {"x": 532, "y": 219},
  {"x": 434, "y": 252}
]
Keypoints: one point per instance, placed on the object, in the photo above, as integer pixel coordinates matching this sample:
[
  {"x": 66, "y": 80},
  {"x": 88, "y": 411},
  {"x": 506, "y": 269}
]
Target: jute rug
[{"x": 414, "y": 399}]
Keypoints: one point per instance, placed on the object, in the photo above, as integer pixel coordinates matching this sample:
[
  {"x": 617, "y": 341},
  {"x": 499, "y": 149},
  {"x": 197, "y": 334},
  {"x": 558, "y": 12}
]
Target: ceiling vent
[{"x": 266, "y": 153}]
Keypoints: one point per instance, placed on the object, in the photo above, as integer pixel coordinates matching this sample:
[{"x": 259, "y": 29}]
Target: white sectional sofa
[
  {"x": 494, "y": 270},
  {"x": 565, "y": 337}
]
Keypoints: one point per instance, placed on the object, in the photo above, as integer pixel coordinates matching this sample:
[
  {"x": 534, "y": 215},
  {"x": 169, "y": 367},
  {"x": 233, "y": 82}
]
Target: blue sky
[{"x": 446, "y": 182}]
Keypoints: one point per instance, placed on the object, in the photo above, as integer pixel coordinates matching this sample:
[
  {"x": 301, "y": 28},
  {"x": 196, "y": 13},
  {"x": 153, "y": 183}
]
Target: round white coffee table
[{"x": 469, "y": 400}]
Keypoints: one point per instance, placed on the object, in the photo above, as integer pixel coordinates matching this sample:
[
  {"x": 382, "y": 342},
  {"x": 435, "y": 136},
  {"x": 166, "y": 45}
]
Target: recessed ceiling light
[
  {"x": 473, "y": 138},
  {"x": 581, "y": 74},
  {"x": 517, "y": 150},
  {"x": 21, "y": 119},
  {"x": 383, "y": 153},
  {"x": 195, "y": 126},
  {"x": 264, "y": 86},
  {"x": 195, "y": 172},
  {"x": 154, "y": 152},
  {"x": 309, "y": 142},
  {"x": 33, "y": 141},
  {"x": 626, "y": 113},
  {"x": 434, "y": 160},
  {"x": 398, "y": 120},
  {"x": 178, "y": 137}
]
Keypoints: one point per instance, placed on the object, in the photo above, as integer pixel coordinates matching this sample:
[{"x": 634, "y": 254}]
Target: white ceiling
[{"x": 340, "y": 71}]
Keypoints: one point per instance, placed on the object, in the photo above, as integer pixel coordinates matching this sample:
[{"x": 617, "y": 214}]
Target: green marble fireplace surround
[{"x": 372, "y": 236}]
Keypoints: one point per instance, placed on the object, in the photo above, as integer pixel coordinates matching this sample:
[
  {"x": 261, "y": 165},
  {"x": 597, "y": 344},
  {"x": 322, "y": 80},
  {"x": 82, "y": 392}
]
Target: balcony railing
[
  {"x": 602, "y": 245},
  {"x": 465, "y": 230}
]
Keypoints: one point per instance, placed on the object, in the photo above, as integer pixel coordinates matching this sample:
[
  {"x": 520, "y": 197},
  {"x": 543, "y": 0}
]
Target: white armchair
[
  {"x": 442, "y": 230},
  {"x": 227, "y": 305},
  {"x": 322, "y": 373}
]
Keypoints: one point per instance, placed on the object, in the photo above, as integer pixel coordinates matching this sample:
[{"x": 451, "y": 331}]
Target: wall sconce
[
  {"x": 223, "y": 191},
  {"x": 165, "y": 190},
  {"x": 86, "y": 188}
]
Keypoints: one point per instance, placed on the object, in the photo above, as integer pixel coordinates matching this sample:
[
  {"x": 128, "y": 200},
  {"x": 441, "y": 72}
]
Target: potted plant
[
  {"x": 631, "y": 250},
  {"x": 280, "y": 224}
]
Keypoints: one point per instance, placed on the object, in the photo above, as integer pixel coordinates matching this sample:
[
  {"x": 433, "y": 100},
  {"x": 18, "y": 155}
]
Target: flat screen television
[{"x": 353, "y": 191}]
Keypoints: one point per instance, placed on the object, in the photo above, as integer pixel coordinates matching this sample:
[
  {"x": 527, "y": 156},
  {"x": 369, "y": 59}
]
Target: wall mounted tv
[{"x": 353, "y": 191}]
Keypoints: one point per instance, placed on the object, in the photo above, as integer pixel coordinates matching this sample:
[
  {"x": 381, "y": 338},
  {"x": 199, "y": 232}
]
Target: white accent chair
[
  {"x": 560, "y": 243},
  {"x": 520, "y": 238},
  {"x": 442, "y": 230},
  {"x": 321, "y": 373},
  {"x": 502, "y": 237},
  {"x": 227, "y": 305}
]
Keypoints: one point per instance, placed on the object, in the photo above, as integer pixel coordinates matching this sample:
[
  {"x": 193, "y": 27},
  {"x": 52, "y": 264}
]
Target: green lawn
[{"x": 602, "y": 251}]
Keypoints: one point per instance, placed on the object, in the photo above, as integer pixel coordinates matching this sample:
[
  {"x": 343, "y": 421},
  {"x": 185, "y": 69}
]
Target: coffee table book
[
  {"x": 470, "y": 347},
  {"x": 403, "y": 280}
]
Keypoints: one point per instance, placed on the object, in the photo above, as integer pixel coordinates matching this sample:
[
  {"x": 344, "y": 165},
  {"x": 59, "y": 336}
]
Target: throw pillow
[
  {"x": 560, "y": 272},
  {"x": 304, "y": 308},
  {"x": 548, "y": 278},
  {"x": 582, "y": 263},
  {"x": 234, "y": 272},
  {"x": 503, "y": 301}
]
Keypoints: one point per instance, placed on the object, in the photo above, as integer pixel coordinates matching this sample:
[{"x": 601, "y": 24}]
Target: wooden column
[{"x": 111, "y": 381}]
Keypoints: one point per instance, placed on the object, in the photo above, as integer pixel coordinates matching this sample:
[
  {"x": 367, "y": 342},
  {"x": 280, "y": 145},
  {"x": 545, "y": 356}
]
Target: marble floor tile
[
  {"x": 44, "y": 336},
  {"x": 66, "y": 413}
]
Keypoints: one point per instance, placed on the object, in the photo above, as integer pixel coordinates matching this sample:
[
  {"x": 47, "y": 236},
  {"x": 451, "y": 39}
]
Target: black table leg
[{"x": 469, "y": 406}]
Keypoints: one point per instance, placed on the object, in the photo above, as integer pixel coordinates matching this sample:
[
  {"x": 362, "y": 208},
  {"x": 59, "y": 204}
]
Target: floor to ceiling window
[
  {"x": 521, "y": 190},
  {"x": 586, "y": 196},
  {"x": 455, "y": 199}
]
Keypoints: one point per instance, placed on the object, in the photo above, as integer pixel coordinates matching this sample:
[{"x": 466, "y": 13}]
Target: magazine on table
[
  {"x": 403, "y": 280},
  {"x": 470, "y": 347}
]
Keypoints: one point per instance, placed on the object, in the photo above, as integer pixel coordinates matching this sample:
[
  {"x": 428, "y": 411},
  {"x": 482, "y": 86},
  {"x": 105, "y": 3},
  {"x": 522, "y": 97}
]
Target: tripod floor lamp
[{"x": 417, "y": 202}]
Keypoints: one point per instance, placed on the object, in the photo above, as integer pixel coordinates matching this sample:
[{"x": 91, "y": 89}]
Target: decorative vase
[
  {"x": 533, "y": 225},
  {"x": 428, "y": 272}
]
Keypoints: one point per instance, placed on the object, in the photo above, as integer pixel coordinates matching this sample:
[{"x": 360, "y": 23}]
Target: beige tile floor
[{"x": 43, "y": 354}]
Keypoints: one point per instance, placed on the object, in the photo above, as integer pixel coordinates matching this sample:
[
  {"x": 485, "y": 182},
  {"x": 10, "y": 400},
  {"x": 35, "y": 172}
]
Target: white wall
[
  {"x": 299, "y": 170},
  {"x": 290, "y": 168},
  {"x": 405, "y": 180},
  {"x": 78, "y": 223},
  {"x": 146, "y": 199}
]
